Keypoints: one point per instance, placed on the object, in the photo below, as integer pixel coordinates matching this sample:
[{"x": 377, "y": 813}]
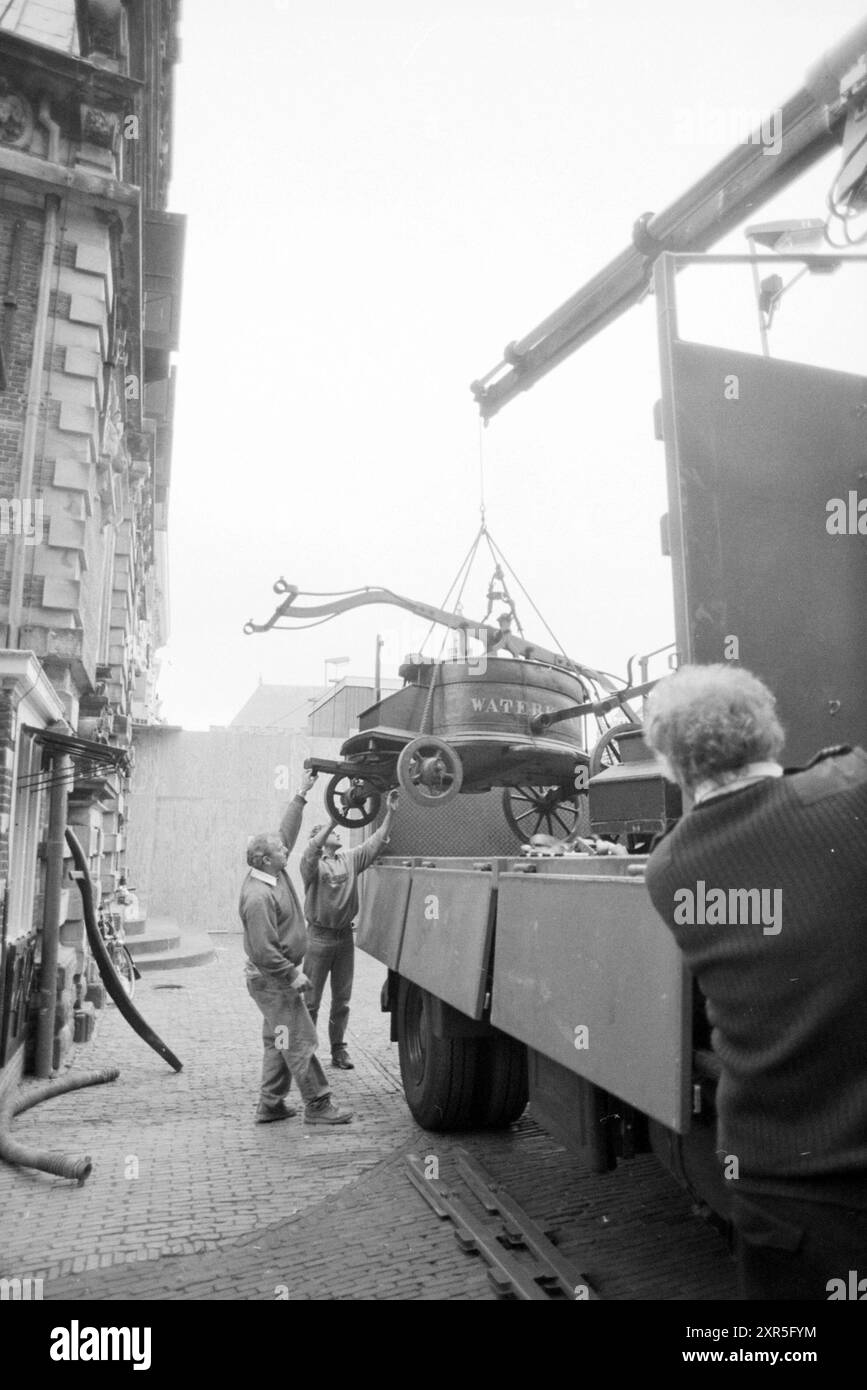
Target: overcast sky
[{"x": 380, "y": 197}]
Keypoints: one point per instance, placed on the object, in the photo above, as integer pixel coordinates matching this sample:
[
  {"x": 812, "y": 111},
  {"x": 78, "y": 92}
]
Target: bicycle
[{"x": 118, "y": 952}]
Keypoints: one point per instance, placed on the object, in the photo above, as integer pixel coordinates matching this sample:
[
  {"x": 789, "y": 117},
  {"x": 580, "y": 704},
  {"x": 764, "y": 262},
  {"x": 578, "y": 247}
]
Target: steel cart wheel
[
  {"x": 557, "y": 811},
  {"x": 352, "y": 801},
  {"x": 438, "y": 1074},
  {"x": 430, "y": 771}
]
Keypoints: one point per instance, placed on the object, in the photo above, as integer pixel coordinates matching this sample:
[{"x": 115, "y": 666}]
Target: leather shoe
[
  {"x": 267, "y": 1114},
  {"x": 342, "y": 1061}
]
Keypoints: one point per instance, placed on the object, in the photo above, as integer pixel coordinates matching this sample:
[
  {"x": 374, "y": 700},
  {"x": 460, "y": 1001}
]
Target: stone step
[
  {"x": 161, "y": 935},
  {"x": 192, "y": 948}
]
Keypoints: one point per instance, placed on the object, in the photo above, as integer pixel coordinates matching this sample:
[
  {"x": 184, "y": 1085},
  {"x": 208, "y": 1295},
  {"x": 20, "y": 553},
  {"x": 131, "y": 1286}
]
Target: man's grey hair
[
  {"x": 259, "y": 848},
  {"x": 712, "y": 720}
]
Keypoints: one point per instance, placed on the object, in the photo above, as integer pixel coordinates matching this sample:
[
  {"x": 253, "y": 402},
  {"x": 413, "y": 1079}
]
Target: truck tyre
[
  {"x": 502, "y": 1089},
  {"x": 438, "y": 1074}
]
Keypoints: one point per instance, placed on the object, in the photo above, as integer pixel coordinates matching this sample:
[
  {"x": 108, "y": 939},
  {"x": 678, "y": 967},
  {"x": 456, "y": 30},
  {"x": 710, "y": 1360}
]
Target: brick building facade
[{"x": 90, "y": 265}]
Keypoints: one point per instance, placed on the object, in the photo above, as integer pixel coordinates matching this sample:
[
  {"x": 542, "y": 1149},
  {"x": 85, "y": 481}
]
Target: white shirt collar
[
  {"x": 745, "y": 776},
  {"x": 263, "y": 877}
]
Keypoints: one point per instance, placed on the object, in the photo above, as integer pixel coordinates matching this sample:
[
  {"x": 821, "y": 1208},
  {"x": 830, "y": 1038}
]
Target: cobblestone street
[{"x": 189, "y": 1199}]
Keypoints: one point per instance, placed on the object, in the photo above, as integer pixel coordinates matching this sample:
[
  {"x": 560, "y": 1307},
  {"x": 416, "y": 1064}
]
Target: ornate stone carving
[
  {"x": 16, "y": 116},
  {"x": 138, "y": 443},
  {"x": 100, "y": 127},
  {"x": 139, "y": 460}
]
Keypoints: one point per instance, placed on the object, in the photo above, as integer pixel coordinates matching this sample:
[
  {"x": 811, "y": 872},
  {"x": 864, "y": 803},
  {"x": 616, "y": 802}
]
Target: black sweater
[{"x": 787, "y": 999}]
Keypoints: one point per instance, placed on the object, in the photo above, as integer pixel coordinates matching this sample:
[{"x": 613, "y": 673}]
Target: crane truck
[
  {"x": 548, "y": 978},
  {"x": 511, "y": 976}
]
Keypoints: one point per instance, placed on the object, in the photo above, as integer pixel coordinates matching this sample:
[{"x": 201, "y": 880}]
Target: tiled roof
[
  {"x": 278, "y": 707},
  {"x": 49, "y": 22}
]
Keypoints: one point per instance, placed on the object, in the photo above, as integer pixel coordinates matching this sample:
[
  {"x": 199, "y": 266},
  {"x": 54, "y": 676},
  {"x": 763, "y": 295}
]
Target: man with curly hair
[{"x": 787, "y": 1002}]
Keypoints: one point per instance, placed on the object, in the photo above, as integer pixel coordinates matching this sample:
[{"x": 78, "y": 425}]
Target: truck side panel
[
  {"x": 382, "y": 915},
  {"x": 447, "y": 938},
  {"x": 586, "y": 973}
]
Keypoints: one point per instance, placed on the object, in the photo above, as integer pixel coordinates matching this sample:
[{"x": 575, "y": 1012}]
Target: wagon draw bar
[
  {"x": 361, "y": 771},
  {"x": 541, "y": 722}
]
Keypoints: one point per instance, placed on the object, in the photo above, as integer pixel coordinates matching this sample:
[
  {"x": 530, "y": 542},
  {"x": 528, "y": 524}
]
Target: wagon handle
[
  {"x": 280, "y": 587},
  {"x": 495, "y": 638}
]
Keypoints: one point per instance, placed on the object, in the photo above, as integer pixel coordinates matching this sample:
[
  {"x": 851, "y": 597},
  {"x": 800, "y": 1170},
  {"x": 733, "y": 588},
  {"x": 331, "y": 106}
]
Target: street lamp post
[
  {"x": 334, "y": 661},
  {"x": 377, "y": 669}
]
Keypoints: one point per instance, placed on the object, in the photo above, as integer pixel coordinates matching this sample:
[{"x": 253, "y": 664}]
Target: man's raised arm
[
  {"x": 366, "y": 854},
  {"x": 313, "y": 852},
  {"x": 291, "y": 822}
]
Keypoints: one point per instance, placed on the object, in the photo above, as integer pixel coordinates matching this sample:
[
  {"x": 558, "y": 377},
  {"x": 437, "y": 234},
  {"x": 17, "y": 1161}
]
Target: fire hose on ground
[
  {"x": 103, "y": 960},
  {"x": 63, "y": 1165}
]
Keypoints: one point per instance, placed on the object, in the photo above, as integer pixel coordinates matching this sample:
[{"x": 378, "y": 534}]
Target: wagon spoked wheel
[
  {"x": 430, "y": 771},
  {"x": 554, "y": 811},
  {"x": 605, "y": 752},
  {"x": 352, "y": 801}
]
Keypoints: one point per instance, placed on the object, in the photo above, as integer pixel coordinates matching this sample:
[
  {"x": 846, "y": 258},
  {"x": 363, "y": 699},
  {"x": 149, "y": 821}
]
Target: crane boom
[{"x": 809, "y": 125}]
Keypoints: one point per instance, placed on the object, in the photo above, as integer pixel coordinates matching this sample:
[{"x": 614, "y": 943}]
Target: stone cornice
[
  {"x": 98, "y": 190},
  {"x": 76, "y": 73},
  {"x": 22, "y": 677}
]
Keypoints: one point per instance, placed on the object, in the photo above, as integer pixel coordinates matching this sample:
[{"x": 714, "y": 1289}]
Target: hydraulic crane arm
[
  {"x": 495, "y": 638},
  {"x": 807, "y": 126}
]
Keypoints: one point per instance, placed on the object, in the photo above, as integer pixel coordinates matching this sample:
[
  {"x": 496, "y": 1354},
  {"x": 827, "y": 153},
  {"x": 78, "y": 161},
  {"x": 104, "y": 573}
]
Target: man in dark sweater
[
  {"x": 275, "y": 941},
  {"x": 764, "y": 885}
]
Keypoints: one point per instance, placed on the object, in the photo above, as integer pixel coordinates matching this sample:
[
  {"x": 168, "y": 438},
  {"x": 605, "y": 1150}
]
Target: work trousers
[
  {"x": 331, "y": 953},
  {"x": 289, "y": 1042},
  {"x": 790, "y": 1249}
]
